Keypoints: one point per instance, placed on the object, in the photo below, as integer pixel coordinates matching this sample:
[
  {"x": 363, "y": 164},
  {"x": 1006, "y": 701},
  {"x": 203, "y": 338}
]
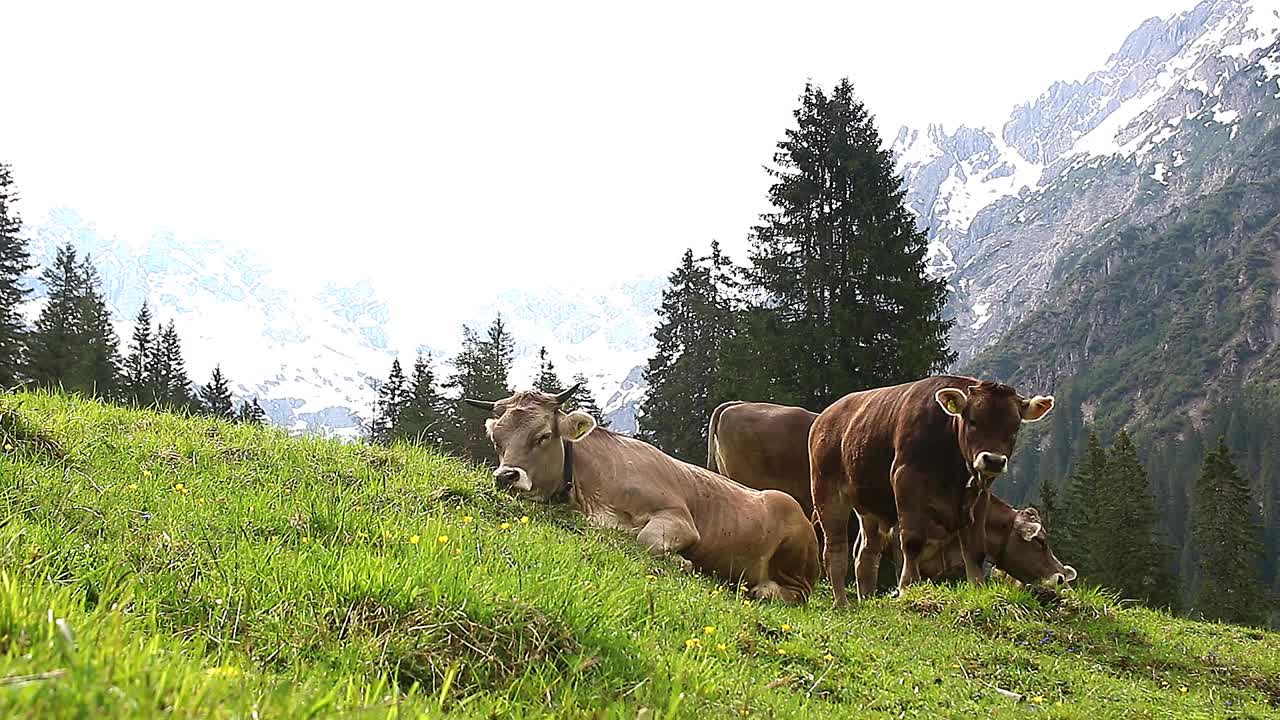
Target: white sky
[{"x": 479, "y": 144}]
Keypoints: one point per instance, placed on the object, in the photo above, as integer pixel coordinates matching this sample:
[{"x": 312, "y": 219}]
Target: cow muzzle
[
  {"x": 1063, "y": 578},
  {"x": 512, "y": 477},
  {"x": 989, "y": 463}
]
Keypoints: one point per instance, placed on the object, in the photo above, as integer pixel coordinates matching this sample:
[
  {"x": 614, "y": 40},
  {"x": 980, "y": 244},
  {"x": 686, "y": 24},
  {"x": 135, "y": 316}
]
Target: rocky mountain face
[{"x": 1164, "y": 122}]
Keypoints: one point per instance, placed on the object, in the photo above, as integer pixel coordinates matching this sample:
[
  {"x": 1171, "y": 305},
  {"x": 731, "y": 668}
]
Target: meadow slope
[{"x": 155, "y": 565}]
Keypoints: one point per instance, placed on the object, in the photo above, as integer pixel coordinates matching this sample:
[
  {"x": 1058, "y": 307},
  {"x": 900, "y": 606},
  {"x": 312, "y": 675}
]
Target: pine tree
[
  {"x": 1225, "y": 530},
  {"x": 682, "y": 372},
  {"x": 251, "y": 413},
  {"x": 389, "y": 406},
  {"x": 136, "y": 380},
  {"x": 14, "y": 262},
  {"x": 52, "y": 353},
  {"x": 547, "y": 380},
  {"x": 98, "y": 368},
  {"x": 840, "y": 262},
  {"x": 216, "y": 396},
  {"x": 481, "y": 371},
  {"x": 1131, "y": 558},
  {"x": 583, "y": 400},
  {"x": 1079, "y": 538},
  {"x": 167, "y": 373},
  {"x": 424, "y": 417}
]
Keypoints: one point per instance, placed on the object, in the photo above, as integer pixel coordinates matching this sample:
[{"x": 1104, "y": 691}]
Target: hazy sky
[{"x": 477, "y": 143}]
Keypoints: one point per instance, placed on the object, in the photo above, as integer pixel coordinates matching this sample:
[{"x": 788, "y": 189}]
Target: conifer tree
[
  {"x": 389, "y": 406},
  {"x": 583, "y": 400},
  {"x": 14, "y": 262},
  {"x": 136, "y": 375},
  {"x": 547, "y": 380},
  {"x": 52, "y": 358},
  {"x": 481, "y": 371},
  {"x": 98, "y": 367},
  {"x": 216, "y": 396},
  {"x": 424, "y": 417},
  {"x": 167, "y": 373},
  {"x": 1081, "y": 537},
  {"x": 1225, "y": 530},
  {"x": 1132, "y": 557},
  {"x": 840, "y": 262},
  {"x": 682, "y": 372},
  {"x": 251, "y": 413}
]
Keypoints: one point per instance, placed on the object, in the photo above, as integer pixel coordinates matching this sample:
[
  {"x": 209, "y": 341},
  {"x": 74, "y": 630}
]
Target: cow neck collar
[{"x": 566, "y": 484}]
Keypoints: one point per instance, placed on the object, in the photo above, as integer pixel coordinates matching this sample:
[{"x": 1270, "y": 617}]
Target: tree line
[
  {"x": 422, "y": 408},
  {"x": 72, "y": 345},
  {"x": 834, "y": 298}
]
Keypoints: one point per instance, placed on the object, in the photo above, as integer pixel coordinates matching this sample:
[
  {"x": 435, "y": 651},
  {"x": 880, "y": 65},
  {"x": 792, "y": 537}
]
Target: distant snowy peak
[{"x": 1166, "y": 71}]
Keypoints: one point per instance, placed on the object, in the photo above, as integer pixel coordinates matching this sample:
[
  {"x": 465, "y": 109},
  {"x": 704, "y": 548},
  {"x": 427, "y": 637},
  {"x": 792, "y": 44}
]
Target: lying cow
[
  {"x": 762, "y": 539},
  {"x": 763, "y": 445},
  {"x": 905, "y": 456},
  {"x": 1013, "y": 541}
]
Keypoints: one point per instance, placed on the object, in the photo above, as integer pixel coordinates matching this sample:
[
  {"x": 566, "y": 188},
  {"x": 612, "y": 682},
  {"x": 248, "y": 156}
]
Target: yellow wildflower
[
  {"x": 786, "y": 627},
  {"x": 650, "y": 577},
  {"x": 828, "y": 657},
  {"x": 722, "y": 647},
  {"x": 133, "y": 486},
  {"x": 443, "y": 539},
  {"x": 505, "y": 526},
  {"x": 708, "y": 630},
  {"x": 692, "y": 643},
  {"x": 413, "y": 539},
  {"x": 524, "y": 519},
  {"x": 305, "y": 539},
  {"x": 781, "y": 651},
  {"x": 466, "y": 519},
  {"x": 8, "y": 447},
  {"x": 1038, "y": 700},
  {"x": 1182, "y": 689}
]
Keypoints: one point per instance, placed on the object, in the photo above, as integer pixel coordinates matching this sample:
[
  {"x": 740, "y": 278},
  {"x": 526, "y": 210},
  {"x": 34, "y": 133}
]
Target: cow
[
  {"x": 760, "y": 538},
  {"x": 763, "y": 445},
  {"x": 920, "y": 456}
]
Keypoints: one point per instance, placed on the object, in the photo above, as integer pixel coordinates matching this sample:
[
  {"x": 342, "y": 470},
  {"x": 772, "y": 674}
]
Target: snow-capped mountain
[
  {"x": 314, "y": 356},
  {"x": 1149, "y": 130}
]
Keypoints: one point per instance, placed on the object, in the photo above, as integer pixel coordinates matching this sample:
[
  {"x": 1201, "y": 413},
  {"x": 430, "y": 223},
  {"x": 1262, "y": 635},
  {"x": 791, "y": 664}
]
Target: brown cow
[
  {"x": 905, "y": 455},
  {"x": 762, "y": 539},
  {"x": 763, "y": 445}
]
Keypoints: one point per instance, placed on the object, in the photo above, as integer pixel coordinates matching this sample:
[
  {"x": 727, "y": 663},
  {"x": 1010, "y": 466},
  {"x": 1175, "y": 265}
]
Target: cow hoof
[
  {"x": 685, "y": 563},
  {"x": 767, "y": 591}
]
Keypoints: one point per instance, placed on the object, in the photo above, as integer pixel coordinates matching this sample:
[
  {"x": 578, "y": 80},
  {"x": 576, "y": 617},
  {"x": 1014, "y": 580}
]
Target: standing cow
[
  {"x": 904, "y": 456},
  {"x": 763, "y": 445},
  {"x": 762, "y": 539}
]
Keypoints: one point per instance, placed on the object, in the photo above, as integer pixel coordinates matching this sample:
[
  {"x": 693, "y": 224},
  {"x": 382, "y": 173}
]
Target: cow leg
[
  {"x": 866, "y": 563},
  {"x": 912, "y": 522},
  {"x": 834, "y": 517},
  {"x": 972, "y": 559},
  {"x": 669, "y": 533}
]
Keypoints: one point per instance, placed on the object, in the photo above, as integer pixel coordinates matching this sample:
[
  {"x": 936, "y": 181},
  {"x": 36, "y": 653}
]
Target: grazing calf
[
  {"x": 916, "y": 456},
  {"x": 762, "y": 539}
]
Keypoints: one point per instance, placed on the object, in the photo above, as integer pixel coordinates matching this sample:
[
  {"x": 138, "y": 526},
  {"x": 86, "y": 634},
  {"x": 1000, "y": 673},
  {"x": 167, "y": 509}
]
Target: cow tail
[{"x": 711, "y": 433}]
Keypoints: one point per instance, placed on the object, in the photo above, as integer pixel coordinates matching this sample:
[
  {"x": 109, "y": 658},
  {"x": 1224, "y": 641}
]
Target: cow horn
[
  {"x": 482, "y": 404},
  {"x": 562, "y": 397}
]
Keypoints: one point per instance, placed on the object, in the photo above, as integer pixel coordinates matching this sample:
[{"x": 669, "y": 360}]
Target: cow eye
[{"x": 542, "y": 438}]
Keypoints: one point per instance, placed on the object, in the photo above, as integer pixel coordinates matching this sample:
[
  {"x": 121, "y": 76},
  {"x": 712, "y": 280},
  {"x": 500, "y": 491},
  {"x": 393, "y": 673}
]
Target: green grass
[{"x": 153, "y": 565}]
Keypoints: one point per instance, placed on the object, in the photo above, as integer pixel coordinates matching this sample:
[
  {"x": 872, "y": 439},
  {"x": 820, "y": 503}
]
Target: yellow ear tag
[{"x": 952, "y": 407}]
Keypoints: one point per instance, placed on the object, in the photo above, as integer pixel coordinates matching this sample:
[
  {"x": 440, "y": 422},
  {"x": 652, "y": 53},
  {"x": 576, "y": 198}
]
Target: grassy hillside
[{"x": 155, "y": 565}]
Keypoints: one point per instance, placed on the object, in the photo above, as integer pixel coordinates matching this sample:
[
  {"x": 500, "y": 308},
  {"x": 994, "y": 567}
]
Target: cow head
[
  {"x": 989, "y": 416},
  {"x": 528, "y": 430},
  {"x": 1026, "y": 554}
]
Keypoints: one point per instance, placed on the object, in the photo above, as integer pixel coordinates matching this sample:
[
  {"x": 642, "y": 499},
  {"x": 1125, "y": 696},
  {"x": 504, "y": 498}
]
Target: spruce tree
[
  {"x": 98, "y": 368},
  {"x": 481, "y": 371},
  {"x": 1080, "y": 538},
  {"x": 840, "y": 262},
  {"x": 53, "y": 355},
  {"x": 389, "y": 406},
  {"x": 141, "y": 346},
  {"x": 1131, "y": 557},
  {"x": 547, "y": 380},
  {"x": 682, "y": 372},
  {"x": 167, "y": 373},
  {"x": 251, "y": 413},
  {"x": 14, "y": 262},
  {"x": 424, "y": 417},
  {"x": 583, "y": 400},
  {"x": 1225, "y": 531},
  {"x": 216, "y": 396}
]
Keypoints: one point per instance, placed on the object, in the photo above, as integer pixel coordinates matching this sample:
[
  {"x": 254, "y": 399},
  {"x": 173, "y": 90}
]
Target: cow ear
[
  {"x": 952, "y": 400},
  {"x": 1027, "y": 527},
  {"x": 1036, "y": 408},
  {"x": 576, "y": 425}
]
